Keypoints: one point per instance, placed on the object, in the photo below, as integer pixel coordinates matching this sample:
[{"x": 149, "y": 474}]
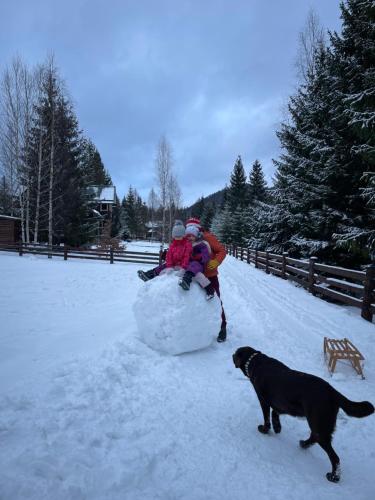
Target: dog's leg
[
  {"x": 333, "y": 476},
  {"x": 308, "y": 442},
  {"x": 276, "y": 421},
  {"x": 264, "y": 429}
]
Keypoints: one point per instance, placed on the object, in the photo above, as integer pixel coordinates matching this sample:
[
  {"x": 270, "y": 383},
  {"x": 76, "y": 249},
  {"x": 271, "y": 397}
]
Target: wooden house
[{"x": 10, "y": 229}]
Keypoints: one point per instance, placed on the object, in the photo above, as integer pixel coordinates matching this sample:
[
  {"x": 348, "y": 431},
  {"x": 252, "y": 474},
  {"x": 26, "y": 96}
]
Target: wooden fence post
[
  {"x": 248, "y": 256},
  {"x": 366, "y": 312},
  {"x": 242, "y": 253},
  {"x": 160, "y": 254},
  {"x": 311, "y": 278},
  {"x": 283, "y": 268},
  {"x": 20, "y": 249},
  {"x": 236, "y": 251},
  {"x": 267, "y": 262},
  {"x": 256, "y": 258},
  {"x": 111, "y": 254},
  {"x": 65, "y": 252}
]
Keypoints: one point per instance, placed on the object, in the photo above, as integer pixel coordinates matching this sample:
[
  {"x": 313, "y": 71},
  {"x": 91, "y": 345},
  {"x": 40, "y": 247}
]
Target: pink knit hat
[{"x": 194, "y": 221}]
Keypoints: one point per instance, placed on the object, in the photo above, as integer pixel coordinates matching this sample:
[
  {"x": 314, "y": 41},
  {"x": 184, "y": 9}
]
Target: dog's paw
[
  {"x": 277, "y": 428},
  {"x": 333, "y": 477},
  {"x": 264, "y": 429}
]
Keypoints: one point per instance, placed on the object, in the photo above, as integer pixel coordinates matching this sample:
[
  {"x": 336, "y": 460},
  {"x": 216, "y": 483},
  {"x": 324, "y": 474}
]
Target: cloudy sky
[{"x": 213, "y": 76}]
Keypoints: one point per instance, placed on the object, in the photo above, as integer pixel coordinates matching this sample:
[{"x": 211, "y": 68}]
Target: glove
[{"x": 212, "y": 264}]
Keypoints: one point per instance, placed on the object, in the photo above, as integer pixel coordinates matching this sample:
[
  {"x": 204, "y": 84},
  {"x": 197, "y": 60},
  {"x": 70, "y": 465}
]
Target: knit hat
[
  {"x": 194, "y": 230},
  {"x": 178, "y": 230},
  {"x": 194, "y": 221}
]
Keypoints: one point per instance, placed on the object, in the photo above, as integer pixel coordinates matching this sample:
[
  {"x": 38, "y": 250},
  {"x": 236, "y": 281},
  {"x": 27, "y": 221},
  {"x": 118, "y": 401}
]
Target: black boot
[
  {"x": 146, "y": 275},
  {"x": 222, "y": 337},
  {"x": 186, "y": 280},
  {"x": 210, "y": 291}
]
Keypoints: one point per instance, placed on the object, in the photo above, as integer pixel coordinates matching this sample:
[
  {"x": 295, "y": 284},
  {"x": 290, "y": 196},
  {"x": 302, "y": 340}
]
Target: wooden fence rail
[
  {"x": 355, "y": 288},
  {"x": 112, "y": 255}
]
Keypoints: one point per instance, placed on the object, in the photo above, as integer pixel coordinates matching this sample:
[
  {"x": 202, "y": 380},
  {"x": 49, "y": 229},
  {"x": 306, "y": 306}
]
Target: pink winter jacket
[{"x": 179, "y": 253}]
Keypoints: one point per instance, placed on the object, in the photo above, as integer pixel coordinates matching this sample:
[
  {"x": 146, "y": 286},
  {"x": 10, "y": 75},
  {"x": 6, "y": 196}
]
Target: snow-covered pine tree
[
  {"x": 207, "y": 216},
  {"x": 238, "y": 189},
  {"x": 58, "y": 192},
  {"x": 353, "y": 94},
  {"x": 92, "y": 165},
  {"x": 234, "y": 227},
  {"x": 222, "y": 224},
  {"x": 303, "y": 194},
  {"x": 257, "y": 183}
]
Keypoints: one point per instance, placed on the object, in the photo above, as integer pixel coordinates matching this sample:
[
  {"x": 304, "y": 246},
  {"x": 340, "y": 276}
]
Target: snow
[
  {"x": 89, "y": 411},
  {"x": 173, "y": 320}
]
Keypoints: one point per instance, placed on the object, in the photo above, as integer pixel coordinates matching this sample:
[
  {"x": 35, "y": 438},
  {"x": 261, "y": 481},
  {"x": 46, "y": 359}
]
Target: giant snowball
[{"x": 173, "y": 320}]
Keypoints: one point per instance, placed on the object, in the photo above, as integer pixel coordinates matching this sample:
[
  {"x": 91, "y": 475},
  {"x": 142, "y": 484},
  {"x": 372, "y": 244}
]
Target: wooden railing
[
  {"x": 355, "y": 288},
  {"x": 111, "y": 254}
]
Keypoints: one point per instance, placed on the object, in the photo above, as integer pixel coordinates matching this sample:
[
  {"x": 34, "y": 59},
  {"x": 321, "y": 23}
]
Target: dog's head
[{"x": 242, "y": 355}]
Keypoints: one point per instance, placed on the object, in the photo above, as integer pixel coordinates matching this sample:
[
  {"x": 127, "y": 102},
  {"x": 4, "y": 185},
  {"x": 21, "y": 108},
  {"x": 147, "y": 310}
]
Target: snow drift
[{"x": 174, "y": 321}]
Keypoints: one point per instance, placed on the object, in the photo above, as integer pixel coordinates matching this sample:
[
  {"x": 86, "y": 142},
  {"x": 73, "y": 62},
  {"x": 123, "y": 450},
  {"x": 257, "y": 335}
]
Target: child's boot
[
  {"x": 186, "y": 280},
  {"x": 210, "y": 291},
  {"x": 146, "y": 275},
  {"x": 222, "y": 337}
]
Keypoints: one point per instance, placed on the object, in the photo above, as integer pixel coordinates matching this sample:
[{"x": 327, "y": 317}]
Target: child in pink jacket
[{"x": 178, "y": 255}]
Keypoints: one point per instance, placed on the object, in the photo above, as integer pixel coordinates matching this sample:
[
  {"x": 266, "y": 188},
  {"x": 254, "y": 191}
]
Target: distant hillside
[{"x": 214, "y": 199}]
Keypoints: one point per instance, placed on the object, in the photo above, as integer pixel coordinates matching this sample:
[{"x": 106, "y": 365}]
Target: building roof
[
  {"x": 9, "y": 217},
  {"x": 104, "y": 194}
]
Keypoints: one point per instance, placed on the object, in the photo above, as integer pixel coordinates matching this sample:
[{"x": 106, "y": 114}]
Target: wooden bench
[{"x": 342, "y": 349}]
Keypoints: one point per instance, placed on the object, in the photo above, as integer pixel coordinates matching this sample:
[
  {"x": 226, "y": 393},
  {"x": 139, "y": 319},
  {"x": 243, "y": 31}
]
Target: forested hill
[{"x": 215, "y": 200}]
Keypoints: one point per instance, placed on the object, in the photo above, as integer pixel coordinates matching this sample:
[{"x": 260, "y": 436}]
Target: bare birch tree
[
  {"x": 52, "y": 94},
  {"x": 153, "y": 204},
  {"x": 11, "y": 127},
  {"x": 39, "y": 78},
  {"x": 163, "y": 171},
  {"x": 17, "y": 102},
  {"x": 174, "y": 200},
  {"x": 310, "y": 39}
]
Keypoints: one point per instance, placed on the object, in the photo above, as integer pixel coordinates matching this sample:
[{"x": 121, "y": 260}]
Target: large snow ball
[{"x": 173, "y": 320}]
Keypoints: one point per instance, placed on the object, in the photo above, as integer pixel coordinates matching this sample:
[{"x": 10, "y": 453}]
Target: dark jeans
[{"x": 215, "y": 283}]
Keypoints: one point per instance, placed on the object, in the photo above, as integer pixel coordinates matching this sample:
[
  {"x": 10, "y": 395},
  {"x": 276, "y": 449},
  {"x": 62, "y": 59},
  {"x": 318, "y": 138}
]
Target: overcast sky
[{"x": 213, "y": 76}]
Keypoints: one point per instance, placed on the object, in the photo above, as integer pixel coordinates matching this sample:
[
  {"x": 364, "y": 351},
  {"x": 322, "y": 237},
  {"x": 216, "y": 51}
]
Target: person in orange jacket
[{"x": 218, "y": 254}]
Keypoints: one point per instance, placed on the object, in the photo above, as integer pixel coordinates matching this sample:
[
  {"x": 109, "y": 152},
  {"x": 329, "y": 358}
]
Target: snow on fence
[
  {"x": 355, "y": 288},
  {"x": 111, "y": 254}
]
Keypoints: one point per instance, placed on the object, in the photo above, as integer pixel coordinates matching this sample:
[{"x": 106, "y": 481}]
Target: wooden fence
[
  {"x": 110, "y": 254},
  {"x": 355, "y": 288}
]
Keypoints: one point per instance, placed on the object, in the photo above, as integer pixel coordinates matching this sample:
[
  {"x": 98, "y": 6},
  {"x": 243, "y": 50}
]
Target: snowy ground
[{"x": 87, "y": 411}]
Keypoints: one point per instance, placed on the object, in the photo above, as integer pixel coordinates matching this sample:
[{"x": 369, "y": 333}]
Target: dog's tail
[{"x": 354, "y": 409}]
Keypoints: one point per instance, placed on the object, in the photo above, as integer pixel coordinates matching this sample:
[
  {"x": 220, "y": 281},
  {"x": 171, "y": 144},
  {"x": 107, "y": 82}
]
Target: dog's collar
[{"x": 248, "y": 363}]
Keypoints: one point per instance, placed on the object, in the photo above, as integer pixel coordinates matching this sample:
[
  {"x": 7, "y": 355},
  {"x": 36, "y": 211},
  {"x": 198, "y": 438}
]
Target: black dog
[{"x": 300, "y": 395}]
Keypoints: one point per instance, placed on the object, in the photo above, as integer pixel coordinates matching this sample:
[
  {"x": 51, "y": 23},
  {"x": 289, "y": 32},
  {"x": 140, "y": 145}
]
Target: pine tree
[
  {"x": 207, "y": 216},
  {"x": 353, "y": 94},
  {"x": 58, "y": 192},
  {"x": 222, "y": 224},
  {"x": 303, "y": 193},
  {"x": 257, "y": 183},
  {"x": 92, "y": 165},
  {"x": 238, "y": 187},
  {"x": 198, "y": 208}
]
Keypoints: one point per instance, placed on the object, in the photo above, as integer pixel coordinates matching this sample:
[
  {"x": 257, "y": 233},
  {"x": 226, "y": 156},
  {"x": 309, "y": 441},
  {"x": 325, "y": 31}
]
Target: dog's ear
[{"x": 237, "y": 359}]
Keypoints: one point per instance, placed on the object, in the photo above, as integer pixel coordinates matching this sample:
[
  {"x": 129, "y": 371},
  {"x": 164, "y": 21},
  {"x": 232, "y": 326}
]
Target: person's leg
[
  {"x": 206, "y": 284},
  {"x": 223, "y": 330},
  {"x": 202, "y": 280},
  {"x": 151, "y": 273},
  {"x": 191, "y": 271}
]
